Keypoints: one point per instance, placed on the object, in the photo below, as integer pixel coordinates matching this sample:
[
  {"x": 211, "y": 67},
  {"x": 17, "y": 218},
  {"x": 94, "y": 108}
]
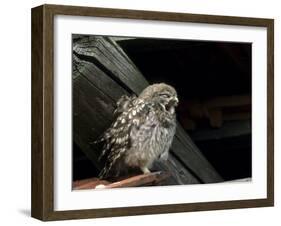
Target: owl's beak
[
  {"x": 174, "y": 101},
  {"x": 170, "y": 106}
]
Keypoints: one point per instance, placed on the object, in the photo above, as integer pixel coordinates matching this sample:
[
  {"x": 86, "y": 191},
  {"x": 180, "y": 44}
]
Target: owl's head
[{"x": 162, "y": 94}]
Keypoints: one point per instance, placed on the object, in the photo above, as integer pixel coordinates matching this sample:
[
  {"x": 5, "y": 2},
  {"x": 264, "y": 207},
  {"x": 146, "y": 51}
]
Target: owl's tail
[{"x": 103, "y": 173}]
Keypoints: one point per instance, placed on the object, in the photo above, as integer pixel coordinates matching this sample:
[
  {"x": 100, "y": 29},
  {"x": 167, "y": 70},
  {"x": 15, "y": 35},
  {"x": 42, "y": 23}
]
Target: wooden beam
[{"x": 131, "y": 181}]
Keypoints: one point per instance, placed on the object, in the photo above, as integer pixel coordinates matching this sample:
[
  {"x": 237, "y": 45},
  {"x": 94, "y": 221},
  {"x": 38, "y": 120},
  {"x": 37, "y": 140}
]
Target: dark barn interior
[
  {"x": 213, "y": 81},
  {"x": 202, "y": 71}
]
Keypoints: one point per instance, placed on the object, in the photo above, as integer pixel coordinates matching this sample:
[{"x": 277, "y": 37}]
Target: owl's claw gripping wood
[
  {"x": 145, "y": 170},
  {"x": 142, "y": 131}
]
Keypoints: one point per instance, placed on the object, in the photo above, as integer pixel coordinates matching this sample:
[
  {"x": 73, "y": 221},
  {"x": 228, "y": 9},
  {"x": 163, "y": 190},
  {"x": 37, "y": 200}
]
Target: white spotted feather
[{"x": 142, "y": 131}]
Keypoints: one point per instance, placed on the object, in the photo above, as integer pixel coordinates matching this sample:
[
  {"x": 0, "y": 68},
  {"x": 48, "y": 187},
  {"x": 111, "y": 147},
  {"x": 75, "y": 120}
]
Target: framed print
[{"x": 141, "y": 112}]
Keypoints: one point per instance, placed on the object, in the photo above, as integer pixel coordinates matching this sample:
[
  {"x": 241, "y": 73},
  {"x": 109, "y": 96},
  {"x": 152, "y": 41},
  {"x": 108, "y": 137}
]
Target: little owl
[{"x": 142, "y": 131}]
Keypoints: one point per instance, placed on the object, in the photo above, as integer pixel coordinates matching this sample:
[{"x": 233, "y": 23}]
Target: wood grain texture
[
  {"x": 156, "y": 15},
  {"x": 37, "y": 199},
  {"x": 42, "y": 112},
  {"x": 270, "y": 112}
]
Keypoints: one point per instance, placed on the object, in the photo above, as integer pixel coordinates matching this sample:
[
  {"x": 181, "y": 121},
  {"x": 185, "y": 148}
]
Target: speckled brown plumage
[{"x": 142, "y": 132}]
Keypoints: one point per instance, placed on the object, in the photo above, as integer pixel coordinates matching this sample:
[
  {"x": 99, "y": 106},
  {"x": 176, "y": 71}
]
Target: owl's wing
[
  {"x": 124, "y": 104},
  {"x": 118, "y": 136}
]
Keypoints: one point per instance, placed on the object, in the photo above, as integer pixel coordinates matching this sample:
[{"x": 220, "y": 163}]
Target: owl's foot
[{"x": 145, "y": 170}]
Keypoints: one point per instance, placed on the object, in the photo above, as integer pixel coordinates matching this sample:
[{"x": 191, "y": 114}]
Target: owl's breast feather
[{"x": 149, "y": 142}]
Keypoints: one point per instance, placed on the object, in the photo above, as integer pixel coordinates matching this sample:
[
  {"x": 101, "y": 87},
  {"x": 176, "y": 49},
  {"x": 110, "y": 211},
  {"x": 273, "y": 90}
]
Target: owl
[{"x": 142, "y": 131}]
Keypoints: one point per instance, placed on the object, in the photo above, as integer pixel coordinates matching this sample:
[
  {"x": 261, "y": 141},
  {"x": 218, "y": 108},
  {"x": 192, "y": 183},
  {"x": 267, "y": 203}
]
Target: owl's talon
[{"x": 145, "y": 170}]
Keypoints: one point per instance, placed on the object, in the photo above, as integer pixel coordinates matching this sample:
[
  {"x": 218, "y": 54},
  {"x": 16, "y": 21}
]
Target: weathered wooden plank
[
  {"x": 90, "y": 183},
  {"x": 247, "y": 179},
  {"x": 182, "y": 173},
  {"x": 100, "y": 79},
  {"x": 90, "y": 116},
  {"x": 179, "y": 174},
  {"x": 140, "y": 180},
  {"x": 189, "y": 153},
  {"x": 109, "y": 57},
  {"x": 131, "y": 181},
  {"x": 105, "y": 53}
]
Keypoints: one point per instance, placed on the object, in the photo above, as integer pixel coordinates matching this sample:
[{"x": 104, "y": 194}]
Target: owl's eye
[{"x": 165, "y": 95}]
